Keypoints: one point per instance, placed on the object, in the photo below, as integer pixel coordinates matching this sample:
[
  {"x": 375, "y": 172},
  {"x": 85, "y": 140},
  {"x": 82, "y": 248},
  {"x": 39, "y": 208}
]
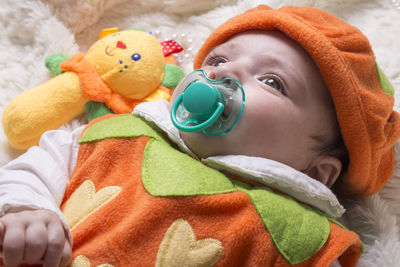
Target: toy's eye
[
  {"x": 115, "y": 34},
  {"x": 136, "y": 57}
]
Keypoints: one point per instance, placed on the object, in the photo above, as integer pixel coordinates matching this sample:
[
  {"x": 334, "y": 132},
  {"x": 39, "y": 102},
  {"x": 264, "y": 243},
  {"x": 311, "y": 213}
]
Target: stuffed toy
[{"x": 121, "y": 70}]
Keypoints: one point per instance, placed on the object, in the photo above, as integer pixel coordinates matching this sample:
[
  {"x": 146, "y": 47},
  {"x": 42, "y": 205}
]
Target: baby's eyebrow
[
  {"x": 223, "y": 48},
  {"x": 285, "y": 69},
  {"x": 275, "y": 60},
  {"x": 210, "y": 54}
]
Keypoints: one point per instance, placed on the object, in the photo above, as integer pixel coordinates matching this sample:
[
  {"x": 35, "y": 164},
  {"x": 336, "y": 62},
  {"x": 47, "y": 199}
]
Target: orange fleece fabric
[
  {"x": 128, "y": 230},
  {"x": 368, "y": 124},
  {"x": 95, "y": 88}
]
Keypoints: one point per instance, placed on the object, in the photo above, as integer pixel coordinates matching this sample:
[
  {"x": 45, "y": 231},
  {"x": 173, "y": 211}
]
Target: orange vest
[{"x": 134, "y": 200}]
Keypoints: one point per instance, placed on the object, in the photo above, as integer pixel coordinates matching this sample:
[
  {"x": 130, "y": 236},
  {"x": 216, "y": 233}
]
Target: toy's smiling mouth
[{"x": 109, "y": 50}]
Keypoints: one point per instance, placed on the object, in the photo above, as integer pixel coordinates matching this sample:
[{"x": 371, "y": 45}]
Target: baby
[{"x": 317, "y": 115}]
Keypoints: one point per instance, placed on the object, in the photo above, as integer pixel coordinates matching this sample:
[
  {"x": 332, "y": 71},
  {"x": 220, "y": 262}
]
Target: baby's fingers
[
  {"x": 66, "y": 255},
  {"x": 36, "y": 240},
  {"x": 55, "y": 245},
  {"x": 2, "y": 228},
  {"x": 14, "y": 245}
]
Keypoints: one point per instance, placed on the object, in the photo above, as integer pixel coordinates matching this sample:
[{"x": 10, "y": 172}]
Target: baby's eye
[
  {"x": 273, "y": 81},
  {"x": 215, "y": 61}
]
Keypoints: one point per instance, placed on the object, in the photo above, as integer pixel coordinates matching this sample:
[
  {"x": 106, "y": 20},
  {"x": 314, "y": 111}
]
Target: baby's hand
[{"x": 34, "y": 237}]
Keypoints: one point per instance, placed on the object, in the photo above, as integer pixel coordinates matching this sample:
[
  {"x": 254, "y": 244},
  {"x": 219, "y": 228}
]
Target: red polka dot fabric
[{"x": 170, "y": 47}]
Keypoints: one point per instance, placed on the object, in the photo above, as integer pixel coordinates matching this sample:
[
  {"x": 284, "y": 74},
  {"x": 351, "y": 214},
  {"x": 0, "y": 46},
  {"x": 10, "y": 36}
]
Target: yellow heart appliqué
[
  {"x": 82, "y": 261},
  {"x": 179, "y": 248},
  {"x": 84, "y": 201}
]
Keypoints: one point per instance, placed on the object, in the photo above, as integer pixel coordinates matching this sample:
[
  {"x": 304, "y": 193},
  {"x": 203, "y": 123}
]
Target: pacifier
[{"x": 203, "y": 104}]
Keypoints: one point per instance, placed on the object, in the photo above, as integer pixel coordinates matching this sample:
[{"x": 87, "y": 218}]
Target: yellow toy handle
[{"x": 43, "y": 108}]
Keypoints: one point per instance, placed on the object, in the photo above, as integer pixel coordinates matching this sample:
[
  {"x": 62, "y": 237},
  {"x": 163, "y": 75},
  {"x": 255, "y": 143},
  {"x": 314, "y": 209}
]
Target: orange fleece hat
[{"x": 359, "y": 89}]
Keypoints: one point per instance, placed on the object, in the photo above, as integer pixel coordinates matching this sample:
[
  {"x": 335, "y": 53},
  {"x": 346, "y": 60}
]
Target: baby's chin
[{"x": 202, "y": 145}]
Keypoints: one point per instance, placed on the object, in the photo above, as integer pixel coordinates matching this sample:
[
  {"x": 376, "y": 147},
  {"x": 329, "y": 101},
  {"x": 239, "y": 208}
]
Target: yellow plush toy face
[{"x": 130, "y": 62}]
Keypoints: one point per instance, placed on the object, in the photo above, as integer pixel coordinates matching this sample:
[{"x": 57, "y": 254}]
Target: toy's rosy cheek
[{"x": 136, "y": 57}]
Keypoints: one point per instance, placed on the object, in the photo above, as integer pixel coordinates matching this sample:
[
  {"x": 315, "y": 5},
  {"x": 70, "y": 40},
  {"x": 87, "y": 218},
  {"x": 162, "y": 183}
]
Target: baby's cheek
[{"x": 270, "y": 127}]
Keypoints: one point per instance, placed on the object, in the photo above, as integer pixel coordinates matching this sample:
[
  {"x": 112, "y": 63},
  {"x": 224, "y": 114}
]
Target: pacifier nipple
[{"x": 201, "y": 100}]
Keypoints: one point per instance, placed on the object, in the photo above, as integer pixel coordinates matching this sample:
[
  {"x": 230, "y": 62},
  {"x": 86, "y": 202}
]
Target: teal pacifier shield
[{"x": 203, "y": 104}]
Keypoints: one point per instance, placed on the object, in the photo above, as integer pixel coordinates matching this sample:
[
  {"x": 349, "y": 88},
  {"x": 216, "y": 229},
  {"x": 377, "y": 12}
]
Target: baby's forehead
[
  {"x": 252, "y": 39},
  {"x": 264, "y": 45},
  {"x": 230, "y": 44},
  {"x": 234, "y": 42}
]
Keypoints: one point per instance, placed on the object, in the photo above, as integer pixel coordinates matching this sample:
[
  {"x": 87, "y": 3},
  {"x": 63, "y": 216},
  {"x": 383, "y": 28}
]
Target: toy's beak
[{"x": 121, "y": 45}]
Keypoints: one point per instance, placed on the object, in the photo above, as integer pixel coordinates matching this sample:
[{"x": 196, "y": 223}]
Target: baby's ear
[{"x": 325, "y": 169}]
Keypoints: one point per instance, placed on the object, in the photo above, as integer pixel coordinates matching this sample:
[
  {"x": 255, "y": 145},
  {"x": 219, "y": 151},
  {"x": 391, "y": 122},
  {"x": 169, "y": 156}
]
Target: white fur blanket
[{"x": 30, "y": 30}]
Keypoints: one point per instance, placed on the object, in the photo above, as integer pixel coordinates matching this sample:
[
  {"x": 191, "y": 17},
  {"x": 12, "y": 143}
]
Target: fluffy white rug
[{"x": 32, "y": 29}]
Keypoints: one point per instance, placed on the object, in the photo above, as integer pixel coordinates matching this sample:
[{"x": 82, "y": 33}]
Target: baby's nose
[
  {"x": 212, "y": 75},
  {"x": 217, "y": 73},
  {"x": 222, "y": 72}
]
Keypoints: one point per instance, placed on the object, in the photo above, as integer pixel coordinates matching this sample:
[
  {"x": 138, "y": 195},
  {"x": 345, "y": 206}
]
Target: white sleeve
[{"x": 38, "y": 178}]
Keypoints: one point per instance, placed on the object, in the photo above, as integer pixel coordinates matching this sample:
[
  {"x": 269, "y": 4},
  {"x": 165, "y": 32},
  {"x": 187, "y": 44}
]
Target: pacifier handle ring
[{"x": 198, "y": 127}]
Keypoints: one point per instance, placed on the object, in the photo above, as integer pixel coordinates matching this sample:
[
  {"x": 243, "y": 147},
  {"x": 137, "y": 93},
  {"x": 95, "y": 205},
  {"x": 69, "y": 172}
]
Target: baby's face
[{"x": 286, "y": 100}]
